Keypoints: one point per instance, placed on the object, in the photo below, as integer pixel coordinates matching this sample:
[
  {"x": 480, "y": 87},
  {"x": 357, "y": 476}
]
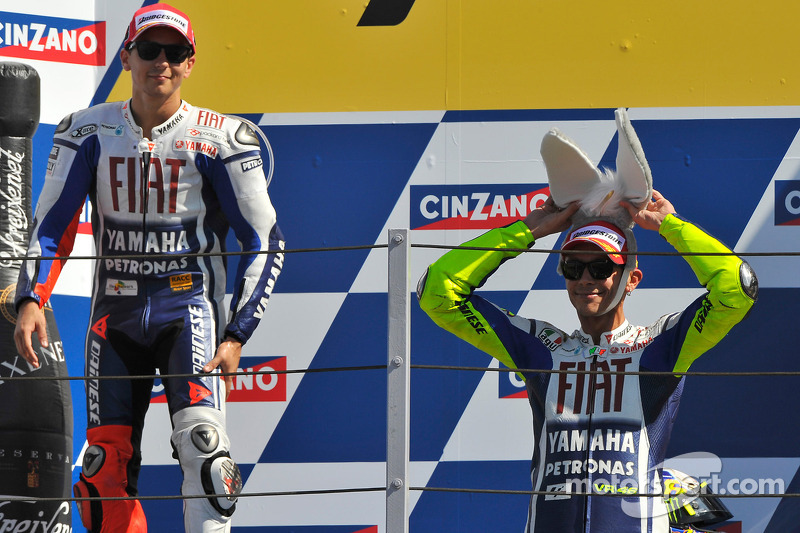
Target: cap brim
[{"x": 177, "y": 30}]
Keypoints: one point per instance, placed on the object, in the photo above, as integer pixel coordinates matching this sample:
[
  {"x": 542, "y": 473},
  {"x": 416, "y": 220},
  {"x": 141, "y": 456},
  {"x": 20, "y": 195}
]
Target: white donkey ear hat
[{"x": 574, "y": 177}]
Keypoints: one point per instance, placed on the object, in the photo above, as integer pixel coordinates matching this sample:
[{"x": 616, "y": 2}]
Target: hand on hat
[
  {"x": 652, "y": 214},
  {"x": 548, "y": 218}
]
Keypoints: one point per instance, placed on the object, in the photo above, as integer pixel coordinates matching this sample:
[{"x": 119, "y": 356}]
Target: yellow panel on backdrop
[
  {"x": 312, "y": 56},
  {"x": 585, "y": 53}
]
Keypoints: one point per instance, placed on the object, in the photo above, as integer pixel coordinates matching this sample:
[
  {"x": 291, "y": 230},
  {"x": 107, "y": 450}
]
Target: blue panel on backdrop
[
  {"x": 465, "y": 512},
  {"x": 343, "y": 414},
  {"x": 336, "y": 186}
]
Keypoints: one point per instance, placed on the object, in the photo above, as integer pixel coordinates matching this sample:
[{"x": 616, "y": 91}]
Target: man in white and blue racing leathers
[
  {"x": 594, "y": 433},
  {"x": 166, "y": 180}
]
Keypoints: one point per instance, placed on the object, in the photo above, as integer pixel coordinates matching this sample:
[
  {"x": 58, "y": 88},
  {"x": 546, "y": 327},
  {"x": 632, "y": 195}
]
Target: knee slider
[
  {"x": 105, "y": 474},
  {"x": 219, "y": 474},
  {"x": 101, "y": 476},
  {"x": 106, "y": 469}
]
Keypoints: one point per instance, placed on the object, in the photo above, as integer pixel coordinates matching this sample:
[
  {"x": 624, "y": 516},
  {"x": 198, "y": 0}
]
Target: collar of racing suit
[{"x": 624, "y": 334}]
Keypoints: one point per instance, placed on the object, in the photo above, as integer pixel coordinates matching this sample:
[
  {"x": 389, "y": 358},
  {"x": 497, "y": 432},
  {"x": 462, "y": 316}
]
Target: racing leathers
[
  {"x": 594, "y": 433},
  {"x": 156, "y": 303}
]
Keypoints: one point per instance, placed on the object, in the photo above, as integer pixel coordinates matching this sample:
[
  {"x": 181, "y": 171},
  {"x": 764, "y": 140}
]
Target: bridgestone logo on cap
[
  {"x": 613, "y": 238},
  {"x": 161, "y": 16}
]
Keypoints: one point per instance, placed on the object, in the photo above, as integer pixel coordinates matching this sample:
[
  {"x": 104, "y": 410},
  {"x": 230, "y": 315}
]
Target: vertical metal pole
[{"x": 398, "y": 384}]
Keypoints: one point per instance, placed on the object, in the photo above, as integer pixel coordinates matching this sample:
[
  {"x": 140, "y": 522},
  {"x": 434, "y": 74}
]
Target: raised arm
[{"x": 731, "y": 283}]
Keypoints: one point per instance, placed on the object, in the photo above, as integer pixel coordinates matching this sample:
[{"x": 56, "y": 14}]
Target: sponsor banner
[
  {"x": 54, "y": 39},
  {"x": 438, "y": 207},
  {"x": 260, "y": 387}
]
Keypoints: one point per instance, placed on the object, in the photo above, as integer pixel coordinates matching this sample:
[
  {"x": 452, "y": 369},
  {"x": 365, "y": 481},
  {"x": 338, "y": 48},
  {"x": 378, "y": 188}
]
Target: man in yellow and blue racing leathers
[{"x": 594, "y": 433}]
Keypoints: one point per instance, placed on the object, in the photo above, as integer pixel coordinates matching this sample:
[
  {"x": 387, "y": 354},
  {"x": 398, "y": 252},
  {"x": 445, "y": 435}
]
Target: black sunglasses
[
  {"x": 599, "y": 269},
  {"x": 149, "y": 50}
]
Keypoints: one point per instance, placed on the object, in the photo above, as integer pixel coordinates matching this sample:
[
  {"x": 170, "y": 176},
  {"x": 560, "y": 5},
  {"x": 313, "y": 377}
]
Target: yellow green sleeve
[
  {"x": 731, "y": 285},
  {"x": 457, "y": 273},
  {"x": 446, "y": 288}
]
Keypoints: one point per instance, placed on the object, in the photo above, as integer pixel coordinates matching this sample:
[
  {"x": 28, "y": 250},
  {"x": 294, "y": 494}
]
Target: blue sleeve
[
  {"x": 242, "y": 193},
  {"x": 71, "y": 174}
]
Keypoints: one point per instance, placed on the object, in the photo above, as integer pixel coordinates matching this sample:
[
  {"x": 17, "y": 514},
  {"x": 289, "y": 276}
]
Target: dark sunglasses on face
[
  {"x": 149, "y": 50},
  {"x": 599, "y": 269}
]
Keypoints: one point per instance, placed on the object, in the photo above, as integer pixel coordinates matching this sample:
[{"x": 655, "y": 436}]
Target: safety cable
[{"x": 415, "y": 366}]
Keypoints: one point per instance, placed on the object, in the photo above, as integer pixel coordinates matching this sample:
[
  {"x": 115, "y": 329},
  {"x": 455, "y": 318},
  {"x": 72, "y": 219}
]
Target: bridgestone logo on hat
[
  {"x": 163, "y": 18},
  {"x": 604, "y": 235}
]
